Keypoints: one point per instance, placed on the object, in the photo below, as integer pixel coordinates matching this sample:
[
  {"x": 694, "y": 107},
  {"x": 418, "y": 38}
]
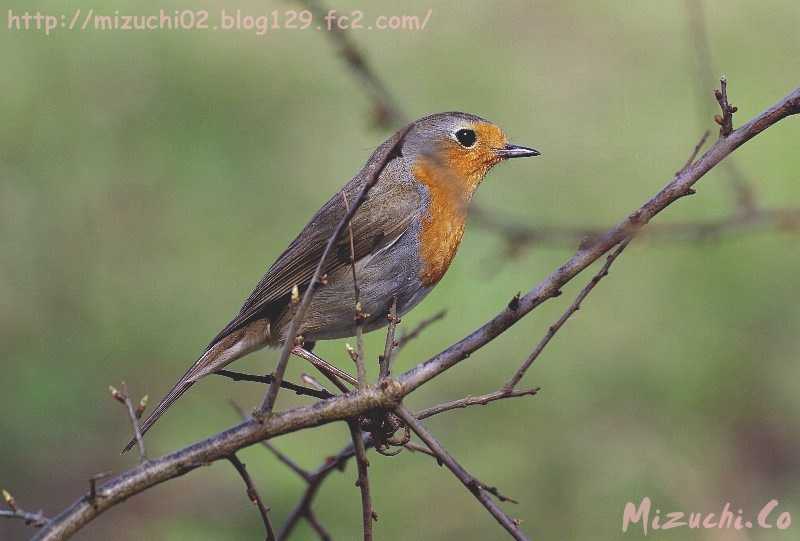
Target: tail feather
[
  {"x": 174, "y": 394},
  {"x": 207, "y": 363},
  {"x": 225, "y": 351}
]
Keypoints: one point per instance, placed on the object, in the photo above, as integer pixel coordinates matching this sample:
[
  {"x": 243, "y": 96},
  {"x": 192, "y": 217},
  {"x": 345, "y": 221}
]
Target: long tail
[
  {"x": 235, "y": 345},
  {"x": 174, "y": 394}
]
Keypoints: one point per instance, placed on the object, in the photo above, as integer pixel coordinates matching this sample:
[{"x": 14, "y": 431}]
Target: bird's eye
[{"x": 466, "y": 137}]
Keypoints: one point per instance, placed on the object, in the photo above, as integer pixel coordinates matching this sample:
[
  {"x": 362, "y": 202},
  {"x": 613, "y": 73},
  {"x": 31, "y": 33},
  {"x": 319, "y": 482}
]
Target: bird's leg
[
  {"x": 331, "y": 372},
  {"x": 380, "y": 423}
]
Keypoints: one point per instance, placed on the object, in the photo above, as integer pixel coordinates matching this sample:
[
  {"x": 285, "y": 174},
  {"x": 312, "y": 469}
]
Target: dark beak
[{"x": 516, "y": 151}]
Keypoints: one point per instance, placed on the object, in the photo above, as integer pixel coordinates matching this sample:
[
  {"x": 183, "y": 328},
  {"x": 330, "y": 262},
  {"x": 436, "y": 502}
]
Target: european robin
[{"x": 404, "y": 237}]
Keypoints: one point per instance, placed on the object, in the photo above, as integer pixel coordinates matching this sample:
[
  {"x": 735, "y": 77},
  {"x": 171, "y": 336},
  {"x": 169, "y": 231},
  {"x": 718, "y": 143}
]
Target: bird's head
[{"x": 458, "y": 149}]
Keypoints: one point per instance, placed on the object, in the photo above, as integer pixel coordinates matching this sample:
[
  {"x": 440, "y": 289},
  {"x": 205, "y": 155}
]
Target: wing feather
[{"x": 375, "y": 226}]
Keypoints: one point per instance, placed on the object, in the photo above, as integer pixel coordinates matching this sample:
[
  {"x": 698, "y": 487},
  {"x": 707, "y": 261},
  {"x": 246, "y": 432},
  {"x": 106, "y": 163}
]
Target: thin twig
[
  {"x": 333, "y": 373},
  {"x": 316, "y": 478},
  {"x": 252, "y": 494},
  {"x": 743, "y": 188},
  {"x": 481, "y": 400},
  {"x": 361, "y": 369},
  {"x": 359, "y": 315},
  {"x": 406, "y": 337},
  {"x": 272, "y": 393},
  {"x": 356, "y": 290},
  {"x": 478, "y": 489},
  {"x": 367, "y": 513},
  {"x": 134, "y": 413},
  {"x": 574, "y": 307},
  {"x": 37, "y": 520},
  {"x": 385, "y": 361},
  {"x": 267, "y": 378},
  {"x": 315, "y": 524}
]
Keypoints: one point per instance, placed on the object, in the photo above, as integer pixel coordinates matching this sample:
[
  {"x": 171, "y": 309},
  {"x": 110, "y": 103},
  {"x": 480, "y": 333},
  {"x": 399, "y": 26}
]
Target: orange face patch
[
  {"x": 471, "y": 164},
  {"x": 451, "y": 175}
]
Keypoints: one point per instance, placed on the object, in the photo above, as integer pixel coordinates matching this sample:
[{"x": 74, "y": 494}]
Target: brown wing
[{"x": 385, "y": 215}]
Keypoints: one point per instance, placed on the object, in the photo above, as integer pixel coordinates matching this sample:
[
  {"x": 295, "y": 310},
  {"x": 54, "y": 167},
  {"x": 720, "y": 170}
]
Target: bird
[{"x": 399, "y": 244}]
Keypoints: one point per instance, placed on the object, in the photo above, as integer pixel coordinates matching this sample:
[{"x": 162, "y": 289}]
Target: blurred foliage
[{"x": 148, "y": 178}]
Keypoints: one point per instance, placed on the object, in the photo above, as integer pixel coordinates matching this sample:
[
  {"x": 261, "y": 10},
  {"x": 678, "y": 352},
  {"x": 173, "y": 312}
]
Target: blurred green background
[{"x": 148, "y": 178}]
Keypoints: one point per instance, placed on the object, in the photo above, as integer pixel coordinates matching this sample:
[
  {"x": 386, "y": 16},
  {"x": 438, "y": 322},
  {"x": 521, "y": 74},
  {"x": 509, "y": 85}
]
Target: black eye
[{"x": 466, "y": 137}]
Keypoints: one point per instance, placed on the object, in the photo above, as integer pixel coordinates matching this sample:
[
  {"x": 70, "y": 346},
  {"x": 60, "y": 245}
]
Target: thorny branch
[{"x": 389, "y": 393}]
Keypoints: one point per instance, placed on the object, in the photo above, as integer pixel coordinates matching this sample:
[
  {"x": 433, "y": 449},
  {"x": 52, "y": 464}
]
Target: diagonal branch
[
  {"x": 481, "y": 400},
  {"x": 252, "y": 494},
  {"x": 481, "y": 492},
  {"x": 315, "y": 524},
  {"x": 574, "y": 307}
]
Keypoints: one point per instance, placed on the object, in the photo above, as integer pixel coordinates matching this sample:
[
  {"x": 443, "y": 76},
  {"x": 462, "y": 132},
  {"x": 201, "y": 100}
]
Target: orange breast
[{"x": 443, "y": 223}]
